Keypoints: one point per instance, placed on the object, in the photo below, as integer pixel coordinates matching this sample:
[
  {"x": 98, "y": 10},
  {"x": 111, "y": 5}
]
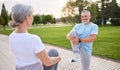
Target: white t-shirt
[{"x": 25, "y": 46}]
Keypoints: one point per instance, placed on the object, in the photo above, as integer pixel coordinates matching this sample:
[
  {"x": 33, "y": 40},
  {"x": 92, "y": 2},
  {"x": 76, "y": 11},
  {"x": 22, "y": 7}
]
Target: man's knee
[{"x": 53, "y": 53}]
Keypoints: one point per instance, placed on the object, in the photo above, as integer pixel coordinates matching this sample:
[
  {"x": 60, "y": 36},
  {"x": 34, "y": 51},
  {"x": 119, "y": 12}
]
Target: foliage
[
  {"x": 1, "y": 20},
  {"x": 46, "y": 18},
  {"x": 108, "y": 9},
  {"x": 93, "y": 8},
  {"x": 115, "y": 21},
  {"x": 4, "y": 15},
  {"x": 71, "y": 19},
  {"x": 113, "y": 10},
  {"x": 101, "y": 10},
  {"x": 98, "y": 21},
  {"x": 74, "y": 7},
  {"x": 37, "y": 19},
  {"x": 53, "y": 20},
  {"x": 71, "y": 12}
]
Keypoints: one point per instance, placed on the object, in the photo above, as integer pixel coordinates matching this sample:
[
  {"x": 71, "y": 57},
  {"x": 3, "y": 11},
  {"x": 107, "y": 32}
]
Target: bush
[
  {"x": 115, "y": 21},
  {"x": 98, "y": 21}
]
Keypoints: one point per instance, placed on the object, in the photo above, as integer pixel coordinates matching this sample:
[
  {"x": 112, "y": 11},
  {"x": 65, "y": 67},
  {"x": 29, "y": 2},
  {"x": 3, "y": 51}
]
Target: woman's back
[{"x": 25, "y": 46}]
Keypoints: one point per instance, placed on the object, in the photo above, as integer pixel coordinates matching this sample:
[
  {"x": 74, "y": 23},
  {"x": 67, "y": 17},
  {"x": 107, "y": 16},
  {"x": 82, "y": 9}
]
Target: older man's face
[{"x": 85, "y": 18}]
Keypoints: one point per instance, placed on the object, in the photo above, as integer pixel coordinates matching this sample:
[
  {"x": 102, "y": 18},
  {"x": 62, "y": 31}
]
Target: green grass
[
  {"x": 53, "y": 35},
  {"x": 106, "y": 45},
  {"x": 6, "y": 32}
]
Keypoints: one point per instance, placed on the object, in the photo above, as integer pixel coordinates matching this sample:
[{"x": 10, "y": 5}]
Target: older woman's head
[{"x": 19, "y": 13}]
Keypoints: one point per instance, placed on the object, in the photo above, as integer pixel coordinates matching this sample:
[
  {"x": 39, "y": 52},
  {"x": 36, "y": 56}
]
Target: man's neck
[{"x": 87, "y": 23}]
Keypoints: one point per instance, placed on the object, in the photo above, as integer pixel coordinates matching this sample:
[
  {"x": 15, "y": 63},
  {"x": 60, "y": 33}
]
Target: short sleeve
[
  {"x": 75, "y": 28},
  {"x": 37, "y": 44},
  {"x": 95, "y": 29}
]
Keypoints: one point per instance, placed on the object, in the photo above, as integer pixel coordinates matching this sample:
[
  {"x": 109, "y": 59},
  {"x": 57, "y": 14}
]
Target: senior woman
[{"x": 27, "y": 48}]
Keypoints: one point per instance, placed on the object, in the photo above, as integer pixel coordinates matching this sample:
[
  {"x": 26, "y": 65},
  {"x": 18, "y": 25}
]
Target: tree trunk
[
  {"x": 4, "y": 27},
  {"x": 102, "y": 21}
]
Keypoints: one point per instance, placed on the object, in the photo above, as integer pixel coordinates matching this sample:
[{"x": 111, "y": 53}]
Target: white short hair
[{"x": 86, "y": 11}]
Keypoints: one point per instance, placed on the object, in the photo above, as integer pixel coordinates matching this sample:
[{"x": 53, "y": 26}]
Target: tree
[
  {"x": 37, "y": 19},
  {"x": 108, "y": 9},
  {"x": 93, "y": 8},
  {"x": 4, "y": 15},
  {"x": 73, "y": 9},
  {"x": 1, "y": 20},
  {"x": 46, "y": 19},
  {"x": 104, "y": 6},
  {"x": 69, "y": 9},
  {"x": 114, "y": 9},
  {"x": 53, "y": 20}
]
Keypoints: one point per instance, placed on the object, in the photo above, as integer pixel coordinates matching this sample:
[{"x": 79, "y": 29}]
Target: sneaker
[
  {"x": 76, "y": 57},
  {"x": 75, "y": 60}
]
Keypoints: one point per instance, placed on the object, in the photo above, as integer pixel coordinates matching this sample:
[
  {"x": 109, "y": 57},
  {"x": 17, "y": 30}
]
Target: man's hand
[
  {"x": 70, "y": 37},
  {"x": 75, "y": 40}
]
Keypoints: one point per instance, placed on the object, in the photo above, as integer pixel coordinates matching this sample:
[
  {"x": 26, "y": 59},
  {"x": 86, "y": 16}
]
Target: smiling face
[{"x": 85, "y": 17}]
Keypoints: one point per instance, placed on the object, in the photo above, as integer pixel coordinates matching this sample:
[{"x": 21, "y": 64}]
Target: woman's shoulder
[{"x": 34, "y": 36}]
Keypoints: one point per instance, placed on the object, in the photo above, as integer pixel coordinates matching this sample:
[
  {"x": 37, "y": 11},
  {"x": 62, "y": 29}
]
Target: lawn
[
  {"x": 106, "y": 45},
  {"x": 108, "y": 42}
]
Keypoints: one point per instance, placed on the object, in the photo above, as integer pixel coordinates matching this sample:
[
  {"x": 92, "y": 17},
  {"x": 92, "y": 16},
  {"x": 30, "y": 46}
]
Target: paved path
[
  {"x": 6, "y": 58},
  {"x": 7, "y": 62}
]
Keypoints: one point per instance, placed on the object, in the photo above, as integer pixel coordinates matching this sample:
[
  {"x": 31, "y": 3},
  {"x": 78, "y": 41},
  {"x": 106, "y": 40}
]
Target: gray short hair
[
  {"x": 18, "y": 14},
  {"x": 86, "y": 11}
]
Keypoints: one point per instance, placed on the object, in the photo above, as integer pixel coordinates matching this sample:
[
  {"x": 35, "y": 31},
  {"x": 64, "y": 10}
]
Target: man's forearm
[{"x": 91, "y": 38}]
